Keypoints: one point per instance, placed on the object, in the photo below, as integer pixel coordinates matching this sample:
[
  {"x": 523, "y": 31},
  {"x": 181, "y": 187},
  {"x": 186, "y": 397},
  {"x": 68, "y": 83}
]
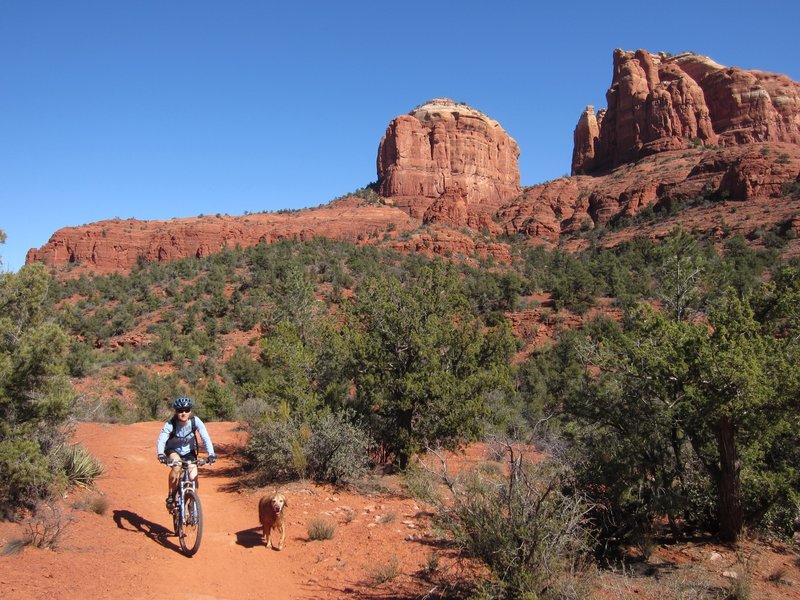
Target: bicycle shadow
[
  {"x": 250, "y": 538},
  {"x": 153, "y": 531}
]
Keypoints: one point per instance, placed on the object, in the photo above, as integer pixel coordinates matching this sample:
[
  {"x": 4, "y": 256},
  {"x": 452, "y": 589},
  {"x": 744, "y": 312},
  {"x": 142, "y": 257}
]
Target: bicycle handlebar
[{"x": 177, "y": 463}]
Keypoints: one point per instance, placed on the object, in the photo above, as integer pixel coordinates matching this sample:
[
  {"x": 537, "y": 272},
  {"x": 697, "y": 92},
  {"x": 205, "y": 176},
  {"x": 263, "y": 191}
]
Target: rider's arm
[
  {"x": 163, "y": 437},
  {"x": 205, "y": 437}
]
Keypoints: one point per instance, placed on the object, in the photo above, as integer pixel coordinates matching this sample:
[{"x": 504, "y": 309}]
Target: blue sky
[{"x": 155, "y": 109}]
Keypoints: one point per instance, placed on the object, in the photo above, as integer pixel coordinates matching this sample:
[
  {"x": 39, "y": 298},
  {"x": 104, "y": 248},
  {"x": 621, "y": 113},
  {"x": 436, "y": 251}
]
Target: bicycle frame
[
  {"x": 187, "y": 513},
  {"x": 185, "y": 481}
]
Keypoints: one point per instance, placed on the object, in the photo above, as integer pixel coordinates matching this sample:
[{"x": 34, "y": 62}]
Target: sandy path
[{"x": 131, "y": 551}]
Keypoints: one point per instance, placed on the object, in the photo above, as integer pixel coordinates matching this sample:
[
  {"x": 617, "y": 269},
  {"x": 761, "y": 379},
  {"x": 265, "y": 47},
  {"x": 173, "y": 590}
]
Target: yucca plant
[{"x": 80, "y": 467}]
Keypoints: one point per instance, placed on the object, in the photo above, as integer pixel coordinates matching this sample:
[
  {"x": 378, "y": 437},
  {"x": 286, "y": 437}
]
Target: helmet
[{"x": 182, "y": 402}]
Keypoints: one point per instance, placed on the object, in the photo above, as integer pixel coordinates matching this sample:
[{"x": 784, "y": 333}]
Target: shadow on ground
[{"x": 130, "y": 521}]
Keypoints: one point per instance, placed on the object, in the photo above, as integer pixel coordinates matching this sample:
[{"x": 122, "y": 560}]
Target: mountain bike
[{"x": 187, "y": 512}]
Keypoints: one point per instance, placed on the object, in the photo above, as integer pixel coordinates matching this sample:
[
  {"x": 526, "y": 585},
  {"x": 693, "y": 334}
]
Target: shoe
[{"x": 170, "y": 502}]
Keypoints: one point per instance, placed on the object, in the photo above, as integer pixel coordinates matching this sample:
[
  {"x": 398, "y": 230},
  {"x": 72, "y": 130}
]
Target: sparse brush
[
  {"x": 348, "y": 515},
  {"x": 382, "y": 573},
  {"x": 421, "y": 484},
  {"x": 46, "y": 526},
  {"x": 96, "y": 504},
  {"x": 778, "y": 577},
  {"x": 388, "y": 518},
  {"x": 528, "y": 532},
  {"x": 320, "y": 529},
  {"x": 432, "y": 564},
  {"x": 15, "y": 546},
  {"x": 80, "y": 467}
]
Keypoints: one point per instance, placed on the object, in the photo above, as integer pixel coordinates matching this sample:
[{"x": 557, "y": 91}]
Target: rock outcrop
[
  {"x": 120, "y": 244},
  {"x": 765, "y": 173},
  {"x": 662, "y": 102},
  {"x": 447, "y": 162}
]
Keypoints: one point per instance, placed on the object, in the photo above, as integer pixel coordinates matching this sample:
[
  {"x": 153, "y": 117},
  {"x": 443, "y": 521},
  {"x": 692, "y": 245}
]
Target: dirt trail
[{"x": 131, "y": 552}]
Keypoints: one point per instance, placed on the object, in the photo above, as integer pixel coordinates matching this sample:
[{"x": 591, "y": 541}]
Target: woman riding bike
[{"x": 177, "y": 441}]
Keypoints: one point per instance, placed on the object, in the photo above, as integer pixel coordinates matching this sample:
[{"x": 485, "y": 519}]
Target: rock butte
[
  {"x": 676, "y": 127},
  {"x": 662, "y": 102}
]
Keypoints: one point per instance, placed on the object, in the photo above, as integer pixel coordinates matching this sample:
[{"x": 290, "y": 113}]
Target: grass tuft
[{"x": 320, "y": 529}]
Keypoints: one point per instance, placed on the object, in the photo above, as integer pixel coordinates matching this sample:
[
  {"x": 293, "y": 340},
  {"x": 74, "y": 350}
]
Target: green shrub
[
  {"x": 218, "y": 403},
  {"x": 25, "y": 473},
  {"x": 421, "y": 484},
  {"x": 338, "y": 450},
  {"x": 328, "y": 448},
  {"x": 270, "y": 449}
]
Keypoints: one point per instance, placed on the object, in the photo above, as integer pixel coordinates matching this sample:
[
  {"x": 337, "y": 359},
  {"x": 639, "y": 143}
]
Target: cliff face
[
  {"x": 447, "y": 162},
  {"x": 756, "y": 175},
  {"x": 118, "y": 245},
  {"x": 661, "y": 102}
]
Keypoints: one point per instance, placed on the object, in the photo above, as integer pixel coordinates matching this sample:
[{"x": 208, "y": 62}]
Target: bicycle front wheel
[{"x": 191, "y": 527}]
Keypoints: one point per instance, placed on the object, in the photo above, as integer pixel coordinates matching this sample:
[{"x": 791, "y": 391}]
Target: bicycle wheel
[{"x": 191, "y": 526}]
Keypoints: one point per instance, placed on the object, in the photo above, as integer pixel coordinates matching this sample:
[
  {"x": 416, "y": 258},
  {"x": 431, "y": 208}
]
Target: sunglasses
[{"x": 183, "y": 410}]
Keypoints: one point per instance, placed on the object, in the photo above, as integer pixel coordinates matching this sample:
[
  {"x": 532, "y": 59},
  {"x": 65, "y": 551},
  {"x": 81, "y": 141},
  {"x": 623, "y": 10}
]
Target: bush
[
  {"x": 270, "y": 449},
  {"x": 383, "y": 572},
  {"x": 46, "y": 526},
  {"x": 421, "y": 484},
  {"x": 320, "y": 529},
  {"x": 95, "y": 504},
  {"x": 525, "y": 528},
  {"x": 218, "y": 403},
  {"x": 338, "y": 451},
  {"x": 25, "y": 473},
  {"x": 329, "y": 448}
]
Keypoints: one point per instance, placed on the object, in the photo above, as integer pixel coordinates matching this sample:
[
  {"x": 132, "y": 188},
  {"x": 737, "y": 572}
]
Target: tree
[
  {"x": 424, "y": 366},
  {"x": 35, "y": 395},
  {"x": 667, "y": 394}
]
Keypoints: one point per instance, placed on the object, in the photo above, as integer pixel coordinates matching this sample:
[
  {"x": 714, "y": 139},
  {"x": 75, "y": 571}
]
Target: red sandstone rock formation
[
  {"x": 118, "y": 245},
  {"x": 765, "y": 172},
  {"x": 447, "y": 162},
  {"x": 661, "y": 102},
  {"x": 445, "y": 167}
]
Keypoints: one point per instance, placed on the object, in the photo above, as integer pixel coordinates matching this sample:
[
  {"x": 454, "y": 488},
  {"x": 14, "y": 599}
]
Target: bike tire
[{"x": 190, "y": 523}]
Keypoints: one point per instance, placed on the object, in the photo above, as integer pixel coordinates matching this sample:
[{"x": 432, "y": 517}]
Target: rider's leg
[{"x": 174, "y": 474}]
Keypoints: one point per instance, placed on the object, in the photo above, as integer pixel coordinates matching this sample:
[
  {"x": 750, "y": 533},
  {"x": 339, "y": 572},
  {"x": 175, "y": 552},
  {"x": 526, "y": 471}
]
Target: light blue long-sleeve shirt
[{"x": 184, "y": 436}]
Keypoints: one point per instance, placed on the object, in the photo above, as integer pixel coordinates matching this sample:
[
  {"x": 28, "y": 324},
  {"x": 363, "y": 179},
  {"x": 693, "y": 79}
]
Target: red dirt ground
[{"x": 130, "y": 552}]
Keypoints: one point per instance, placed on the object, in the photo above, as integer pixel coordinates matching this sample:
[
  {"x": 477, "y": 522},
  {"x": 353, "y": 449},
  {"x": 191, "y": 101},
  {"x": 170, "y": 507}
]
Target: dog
[{"x": 271, "y": 514}]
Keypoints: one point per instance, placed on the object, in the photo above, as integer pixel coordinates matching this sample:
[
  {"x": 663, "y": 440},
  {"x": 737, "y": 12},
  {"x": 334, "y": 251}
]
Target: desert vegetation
[{"x": 664, "y": 398}]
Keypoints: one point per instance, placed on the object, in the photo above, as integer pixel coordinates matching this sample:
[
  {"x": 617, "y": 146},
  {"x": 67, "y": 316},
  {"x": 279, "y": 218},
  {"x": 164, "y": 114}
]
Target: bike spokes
[{"x": 191, "y": 527}]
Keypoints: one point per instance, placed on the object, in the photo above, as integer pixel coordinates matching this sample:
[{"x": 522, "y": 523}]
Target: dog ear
[{"x": 285, "y": 502}]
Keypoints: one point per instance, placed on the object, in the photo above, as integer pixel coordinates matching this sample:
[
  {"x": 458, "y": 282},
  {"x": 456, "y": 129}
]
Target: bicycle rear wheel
[{"x": 191, "y": 523}]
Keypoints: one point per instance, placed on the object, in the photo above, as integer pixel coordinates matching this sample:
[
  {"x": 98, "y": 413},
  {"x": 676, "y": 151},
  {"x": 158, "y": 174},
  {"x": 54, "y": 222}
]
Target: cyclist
[{"x": 177, "y": 441}]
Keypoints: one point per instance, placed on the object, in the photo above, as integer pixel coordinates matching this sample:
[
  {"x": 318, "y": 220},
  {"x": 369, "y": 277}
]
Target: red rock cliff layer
[
  {"x": 447, "y": 162},
  {"x": 661, "y": 102}
]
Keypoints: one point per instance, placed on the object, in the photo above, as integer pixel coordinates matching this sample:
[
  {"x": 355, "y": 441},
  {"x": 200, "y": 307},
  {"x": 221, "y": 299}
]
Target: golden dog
[{"x": 271, "y": 511}]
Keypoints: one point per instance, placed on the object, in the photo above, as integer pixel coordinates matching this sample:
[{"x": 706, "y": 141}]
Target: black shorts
[{"x": 191, "y": 455}]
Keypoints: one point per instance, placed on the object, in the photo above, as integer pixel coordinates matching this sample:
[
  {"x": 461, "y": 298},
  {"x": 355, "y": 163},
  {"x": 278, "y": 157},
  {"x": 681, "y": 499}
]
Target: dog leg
[
  {"x": 265, "y": 535},
  {"x": 283, "y": 536}
]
